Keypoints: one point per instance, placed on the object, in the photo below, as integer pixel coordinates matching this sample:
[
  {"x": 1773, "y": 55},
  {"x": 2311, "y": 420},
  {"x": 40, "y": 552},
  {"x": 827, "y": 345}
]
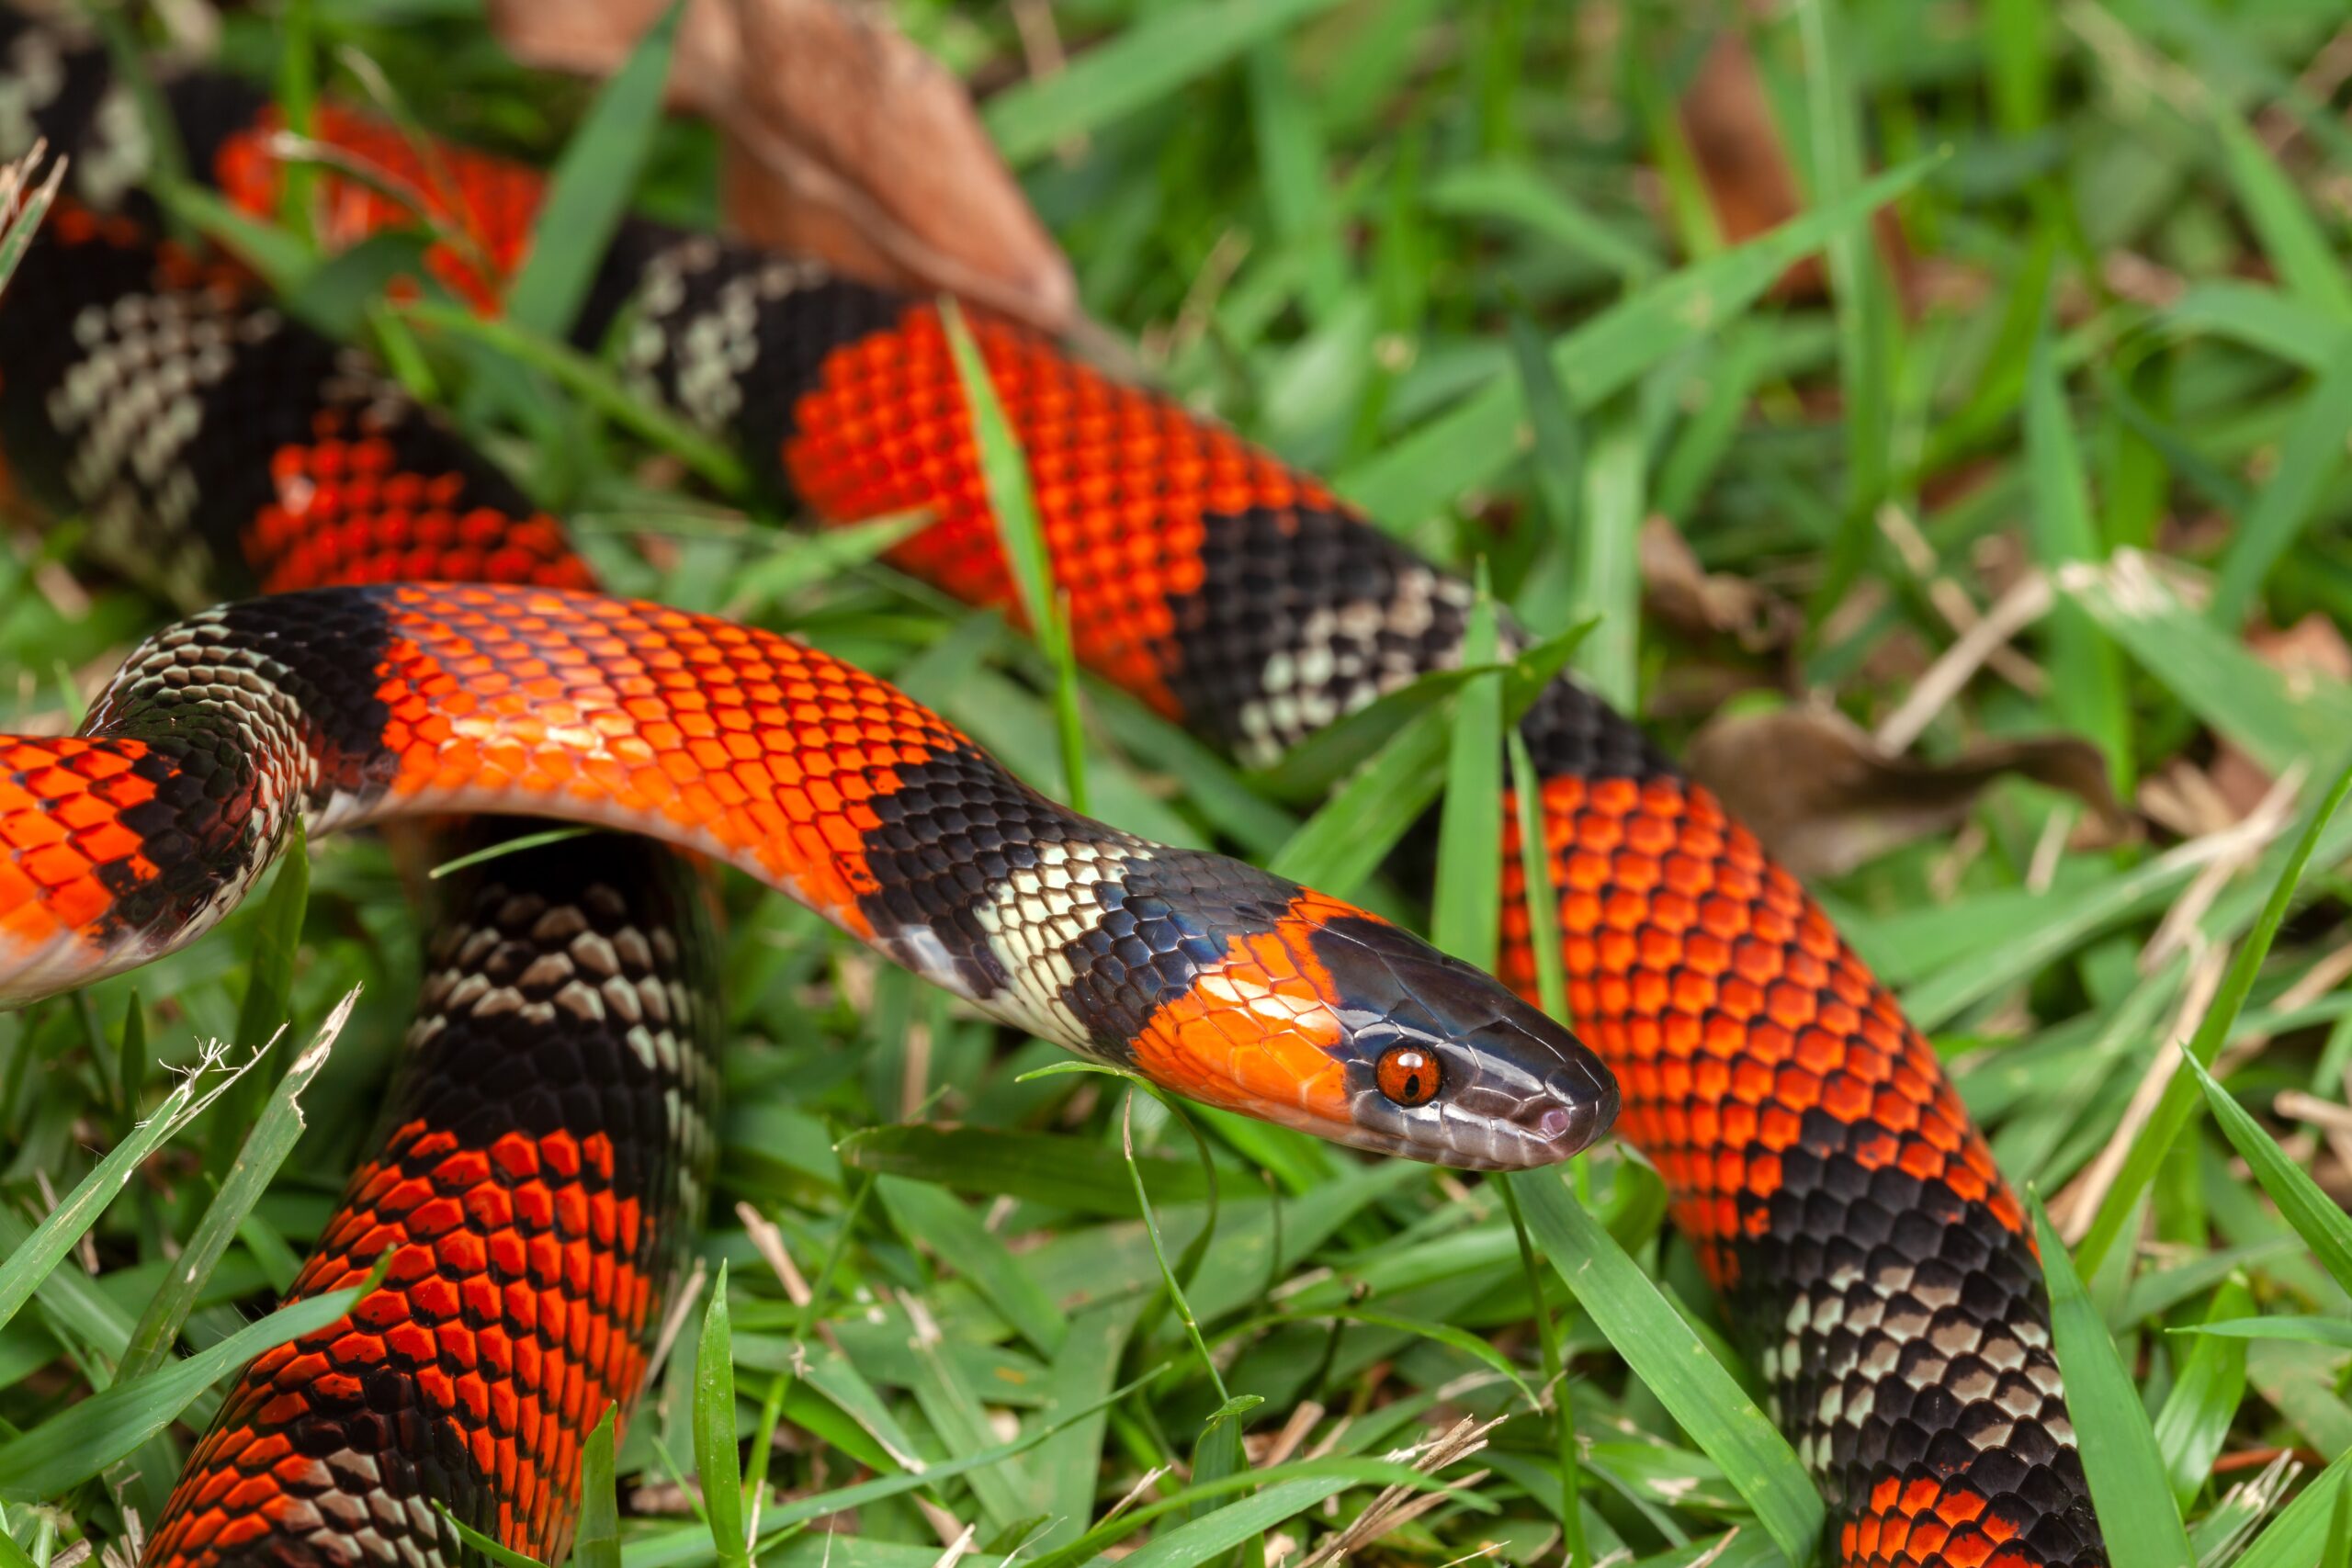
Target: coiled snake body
[{"x": 1817, "y": 1155}]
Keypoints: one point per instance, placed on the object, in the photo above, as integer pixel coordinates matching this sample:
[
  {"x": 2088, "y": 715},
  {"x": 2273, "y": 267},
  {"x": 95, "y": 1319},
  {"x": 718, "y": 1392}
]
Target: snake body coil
[
  {"x": 1818, "y": 1157},
  {"x": 355, "y": 705},
  {"x": 539, "y": 1182}
]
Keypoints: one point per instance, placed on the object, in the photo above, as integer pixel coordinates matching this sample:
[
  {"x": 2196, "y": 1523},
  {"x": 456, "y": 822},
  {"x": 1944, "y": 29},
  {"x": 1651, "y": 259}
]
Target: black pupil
[{"x": 1403, "y": 1071}]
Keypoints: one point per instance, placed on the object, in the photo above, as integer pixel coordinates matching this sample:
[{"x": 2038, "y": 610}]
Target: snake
[{"x": 1818, "y": 1160}]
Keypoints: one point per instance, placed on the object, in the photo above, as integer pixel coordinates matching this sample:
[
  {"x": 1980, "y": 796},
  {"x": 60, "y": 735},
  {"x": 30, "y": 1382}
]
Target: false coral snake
[{"x": 1817, "y": 1155}]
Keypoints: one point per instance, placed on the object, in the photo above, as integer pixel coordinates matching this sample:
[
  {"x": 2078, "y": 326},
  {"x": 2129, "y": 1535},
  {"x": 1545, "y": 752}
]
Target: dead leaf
[
  {"x": 2313, "y": 649},
  {"x": 1824, "y": 798},
  {"x": 590, "y": 38},
  {"x": 1729, "y": 125},
  {"x": 843, "y": 141},
  {"x": 1751, "y": 184},
  {"x": 2180, "y": 798},
  {"x": 1684, "y": 595}
]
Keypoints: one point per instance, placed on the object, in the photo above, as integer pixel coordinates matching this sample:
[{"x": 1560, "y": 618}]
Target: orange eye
[{"x": 1408, "y": 1074}]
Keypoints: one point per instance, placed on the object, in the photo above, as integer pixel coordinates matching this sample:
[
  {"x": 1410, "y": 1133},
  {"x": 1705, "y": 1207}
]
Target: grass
[{"x": 1458, "y": 259}]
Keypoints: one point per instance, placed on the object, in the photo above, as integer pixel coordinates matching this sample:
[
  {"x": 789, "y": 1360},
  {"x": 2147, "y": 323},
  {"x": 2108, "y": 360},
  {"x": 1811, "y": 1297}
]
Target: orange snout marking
[{"x": 1256, "y": 1031}]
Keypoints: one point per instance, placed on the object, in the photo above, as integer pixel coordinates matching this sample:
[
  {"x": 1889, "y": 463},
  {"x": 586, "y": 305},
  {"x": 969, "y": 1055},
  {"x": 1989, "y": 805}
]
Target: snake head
[
  {"x": 1445, "y": 1063},
  {"x": 1332, "y": 1020}
]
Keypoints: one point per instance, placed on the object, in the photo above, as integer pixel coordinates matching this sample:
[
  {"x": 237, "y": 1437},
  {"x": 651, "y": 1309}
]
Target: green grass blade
[
  {"x": 596, "y": 1543},
  {"x": 1291, "y": 160},
  {"x": 265, "y": 1147},
  {"x": 2211, "y": 671},
  {"x": 1543, "y": 895},
  {"x": 717, "y": 1461},
  {"x": 1670, "y": 1360},
  {"x": 796, "y": 563},
  {"x": 2195, "y": 1421},
  {"x": 28, "y": 1263},
  {"x": 71, "y": 1296},
  {"x": 2331, "y": 1331},
  {"x": 2128, "y": 1482},
  {"x": 2086, "y": 678},
  {"x": 504, "y": 848},
  {"x": 2263, "y": 318},
  {"x": 1342, "y": 844},
  {"x": 492, "y": 1549},
  {"x": 2017, "y": 43},
  {"x": 268, "y": 1007},
  {"x": 1470, "y": 444},
  {"x": 1064, "y": 1469},
  {"x": 1508, "y": 191},
  {"x": 84, "y": 1439},
  {"x": 1060, "y": 1172},
  {"x": 799, "y": 1511},
  {"x": 2324, "y": 1226},
  {"x": 1446, "y": 1333},
  {"x": 31, "y": 205},
  {"x": 297, "y": 102},
  {"x": 924, "y": 1214},
  {"x": 1193, "y": 1544},
  {"x": 1348, "y": 1471},
  {"x": 14, "y": 1556},
  {"x": 1323, "y": 761},
  {"x": 1608, "y": 558},
  {"x": 590, "y": 382},
  {"x": 1858, "y": 290},
  {"x": 282, "y": 261},
  {"x": 2181, "y": 1095},
  {"x": 337, "y": 295},
  {"x": 1339, "y": 848},
  {"x": 1557, "y": 585},
  {"x": 2298, "y": 1535},
  {"x": 1167, "y": 1279},
  {"x": 1005, "y": 470},
  {"x": 950, "y": 1402},
  {"x": 1142, "y": 65},
  {"x": 1566, "y": 1465},
  {"x": 1466, "y": 914},
  {"x": 2291, "y": 236},
  {"x": 2288, "y": 501},
  {"x": 589, "y": 192},
  {"x": 1216, "y": 1454}
]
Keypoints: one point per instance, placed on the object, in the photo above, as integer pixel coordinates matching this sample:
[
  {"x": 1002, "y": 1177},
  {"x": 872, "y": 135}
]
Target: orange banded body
[
  {"x": 536, "y": 1184},
  {"x": 355, "y": 705}
]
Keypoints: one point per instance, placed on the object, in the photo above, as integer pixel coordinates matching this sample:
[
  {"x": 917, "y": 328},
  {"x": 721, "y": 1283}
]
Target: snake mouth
[{"x": 1446, "y": 1065}]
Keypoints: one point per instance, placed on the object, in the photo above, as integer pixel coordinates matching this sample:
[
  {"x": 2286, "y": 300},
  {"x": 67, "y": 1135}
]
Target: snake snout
[
  {"x": 1446, "y": 1065},
  {"x": 1533, "y": 1094}
]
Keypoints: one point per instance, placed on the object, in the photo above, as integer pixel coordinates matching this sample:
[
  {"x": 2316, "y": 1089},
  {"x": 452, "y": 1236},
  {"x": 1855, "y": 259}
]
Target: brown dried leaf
[
  {"x": 2179, "y": 797},
  {"x": 1682, "y": 593},
  {"x": 1752, "y": 186},
  {"x": 1824, "y": 798},
  {"x": 843, "y": 141},
  {"x": 590, "y": 38}
]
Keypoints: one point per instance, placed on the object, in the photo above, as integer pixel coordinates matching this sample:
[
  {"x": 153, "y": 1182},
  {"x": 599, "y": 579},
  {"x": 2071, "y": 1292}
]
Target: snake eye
[{"x": 1408, "y": 1074}]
